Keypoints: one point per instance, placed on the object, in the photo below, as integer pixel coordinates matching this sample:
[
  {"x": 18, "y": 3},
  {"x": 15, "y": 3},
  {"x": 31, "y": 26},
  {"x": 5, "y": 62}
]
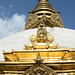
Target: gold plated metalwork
[
  {"x": 43, "y": 9},
  {"x": 42, "y": 40},
  {"x": 42, "y": 55}
]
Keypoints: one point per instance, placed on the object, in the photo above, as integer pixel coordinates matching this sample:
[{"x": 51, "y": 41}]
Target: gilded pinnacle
[
  {"x": 42, "y": 0},
  {"x": 43, "y": 4},
  {"x": 45, "y": 12}
]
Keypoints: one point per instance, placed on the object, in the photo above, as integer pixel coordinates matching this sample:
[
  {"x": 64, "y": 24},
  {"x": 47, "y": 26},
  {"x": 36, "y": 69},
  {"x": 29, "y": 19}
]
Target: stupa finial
[
  {"x": 38, "y": 58},
  {"x": 42, "y": 0}
]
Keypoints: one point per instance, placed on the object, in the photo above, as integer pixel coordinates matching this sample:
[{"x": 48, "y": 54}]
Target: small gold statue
[{"x": 42, "y": 40}]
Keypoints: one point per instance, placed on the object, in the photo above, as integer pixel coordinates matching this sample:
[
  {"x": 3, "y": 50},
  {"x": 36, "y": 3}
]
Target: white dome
[{"x": 64, "y": 37}]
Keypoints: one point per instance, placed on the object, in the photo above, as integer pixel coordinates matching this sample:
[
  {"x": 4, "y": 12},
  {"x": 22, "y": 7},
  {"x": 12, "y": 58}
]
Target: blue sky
[{"x": 13, "y": 14}]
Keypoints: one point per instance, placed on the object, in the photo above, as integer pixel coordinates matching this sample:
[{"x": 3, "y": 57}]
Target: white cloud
[
  {"x": 11, "y": 6},
  {"x": 12, "y": 25}
]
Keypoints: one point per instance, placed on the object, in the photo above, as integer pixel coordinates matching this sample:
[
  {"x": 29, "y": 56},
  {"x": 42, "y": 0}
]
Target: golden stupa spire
[
  {"x": 43, "y": 0},
  {"x": 45, "y": 12},
  {"x": 43, "y": 5}
]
